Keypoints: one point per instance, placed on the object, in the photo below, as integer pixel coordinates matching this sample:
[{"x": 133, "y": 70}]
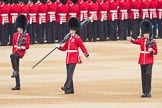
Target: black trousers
[
  {"x": 4, "y": 34},
  {"x": 15, "y": 65},
  {"x": 103, "y": 30},
  {"x": 93, "y": 31},
  {"x": 113, "y": 30},
  {"x": 69, "y": 80},
  {"x": 51, "y": 32},
  {"x": 123, "y": 29},
  {"x": 146, "y": 73},
  {"x": 61, "y": 30},
  {"x": 32, "y": 32},
  {"x": 12, "y": 30},
  {"x": 135, "y": 25},
  {"x": 159, "y": 28},
  {"x": 154, "y": 22},
  {"x": 129, "y": 28},
  {"x": 83, "y": 33},
  {"x": 41, "y": 33}
]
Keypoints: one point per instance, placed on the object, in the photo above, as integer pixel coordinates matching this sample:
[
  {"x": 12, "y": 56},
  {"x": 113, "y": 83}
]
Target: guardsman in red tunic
[
  {"x": 33, "y": 10},
  {"x": 24, "y": 7},
  {"x": 61, "y": 20},
  {"x": 153, "y": 14},
  {"x": 4, "y": 27},
  {"x": 113, "y": 18},
  {"x": 159, "y": 13},
  {"x": 73, "y": 9},
  {"x": 21, "y": 41},
  {"x": 103, "y": 20},
  {"x": 14, "y": 12},
  {"x": 144, "y": 10},
  {"x": 41, "y": 18},
  {"x": 146, "y": 59},
  {"x": 93, "y": 26},
  {"x": 51, "y": 21},
  {"x": 134, "y": 11},
  {"x": 71, "y": 46},
  {"x": 83, "y": 14},
  {"x": 123, "y": 19}
]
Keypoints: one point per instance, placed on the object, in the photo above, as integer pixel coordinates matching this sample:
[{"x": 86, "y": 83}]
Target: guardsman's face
[
  {"x": 19, "y": 30},
  {"x": 146, "y": 35},
  {"x": 72, "y": 32}
]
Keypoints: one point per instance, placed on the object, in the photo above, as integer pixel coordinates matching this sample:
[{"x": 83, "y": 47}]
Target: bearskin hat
[
  {"x": 53, "y": 1},
  {"x": 63, "y": 1},
  {"x": 43, "y": 1},
  {"x": 6, "y": 1},
  {"x": 74, "y": 1},
  {"x": 34, "y": 1},
  {"x": 94, "y": 1},
  {"x": 21, "y": 21},
  {"x": 25, "y": 1},
  {"x": 73, "y": 24},
  {"x": 15, "y": 1},
  {"x": 146, "y": 26}
]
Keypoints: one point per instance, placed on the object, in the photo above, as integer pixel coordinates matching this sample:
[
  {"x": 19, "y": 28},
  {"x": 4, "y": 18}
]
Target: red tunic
[
  {"x": 42, "y": 10},
  {"x": 16, "y": 36},
  {"x": 145, "y": 57},
  {"x": 14, "y": 11},
  {"x": 51, "y": 11},
  {"x": 134, "y": 6},
  {"x": 24, "y": 9},
  {"x": 4, "y": 13},
  {"x": 73, "y": 10},
  {"x": 113, "y": 10},
  {"x": 144, "y": 10},
  {"x": 83, "y": 10},
  {"x": 123, "y": 9},
  {"x": 103, "y": 11},
  {"x": 71, "y": 46},
  {"x": 159, "y": 9},
  {"x": 33, "y": 10},
  {"x": 93, "y": 9},
  {"x": 153, "y": 9},
  {"x": 62, "y": 12},
  {"x": 0, "y": 14}
]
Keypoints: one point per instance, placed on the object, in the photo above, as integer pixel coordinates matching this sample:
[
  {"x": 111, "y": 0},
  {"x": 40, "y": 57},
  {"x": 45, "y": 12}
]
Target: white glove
[
  {"x": 58, "y": 46},
  {"x": 87, "y": 55}
]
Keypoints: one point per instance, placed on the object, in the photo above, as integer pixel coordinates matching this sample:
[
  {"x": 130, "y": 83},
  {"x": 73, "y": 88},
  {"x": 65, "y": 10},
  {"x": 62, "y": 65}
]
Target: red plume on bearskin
[
  {"x": 73, "y": 24},
  {"x": 21, "y": 22},
  {"x": 146, "y": 26}
]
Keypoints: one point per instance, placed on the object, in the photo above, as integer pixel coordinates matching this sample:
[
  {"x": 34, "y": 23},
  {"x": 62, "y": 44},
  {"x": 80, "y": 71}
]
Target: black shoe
[
  {"x": 148, "y": 94},
  {"x": 14, "y": 74},
  {"x": 143, "y": 95},
  {"x": 16, "y": 88},
  {"x": 69, "y": 91},
  {"x": 63, "y": 88}
]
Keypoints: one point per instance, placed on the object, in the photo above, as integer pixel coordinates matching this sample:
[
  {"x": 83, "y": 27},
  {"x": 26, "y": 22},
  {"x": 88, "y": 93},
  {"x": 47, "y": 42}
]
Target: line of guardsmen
[{"x": 48, "y": 18}]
